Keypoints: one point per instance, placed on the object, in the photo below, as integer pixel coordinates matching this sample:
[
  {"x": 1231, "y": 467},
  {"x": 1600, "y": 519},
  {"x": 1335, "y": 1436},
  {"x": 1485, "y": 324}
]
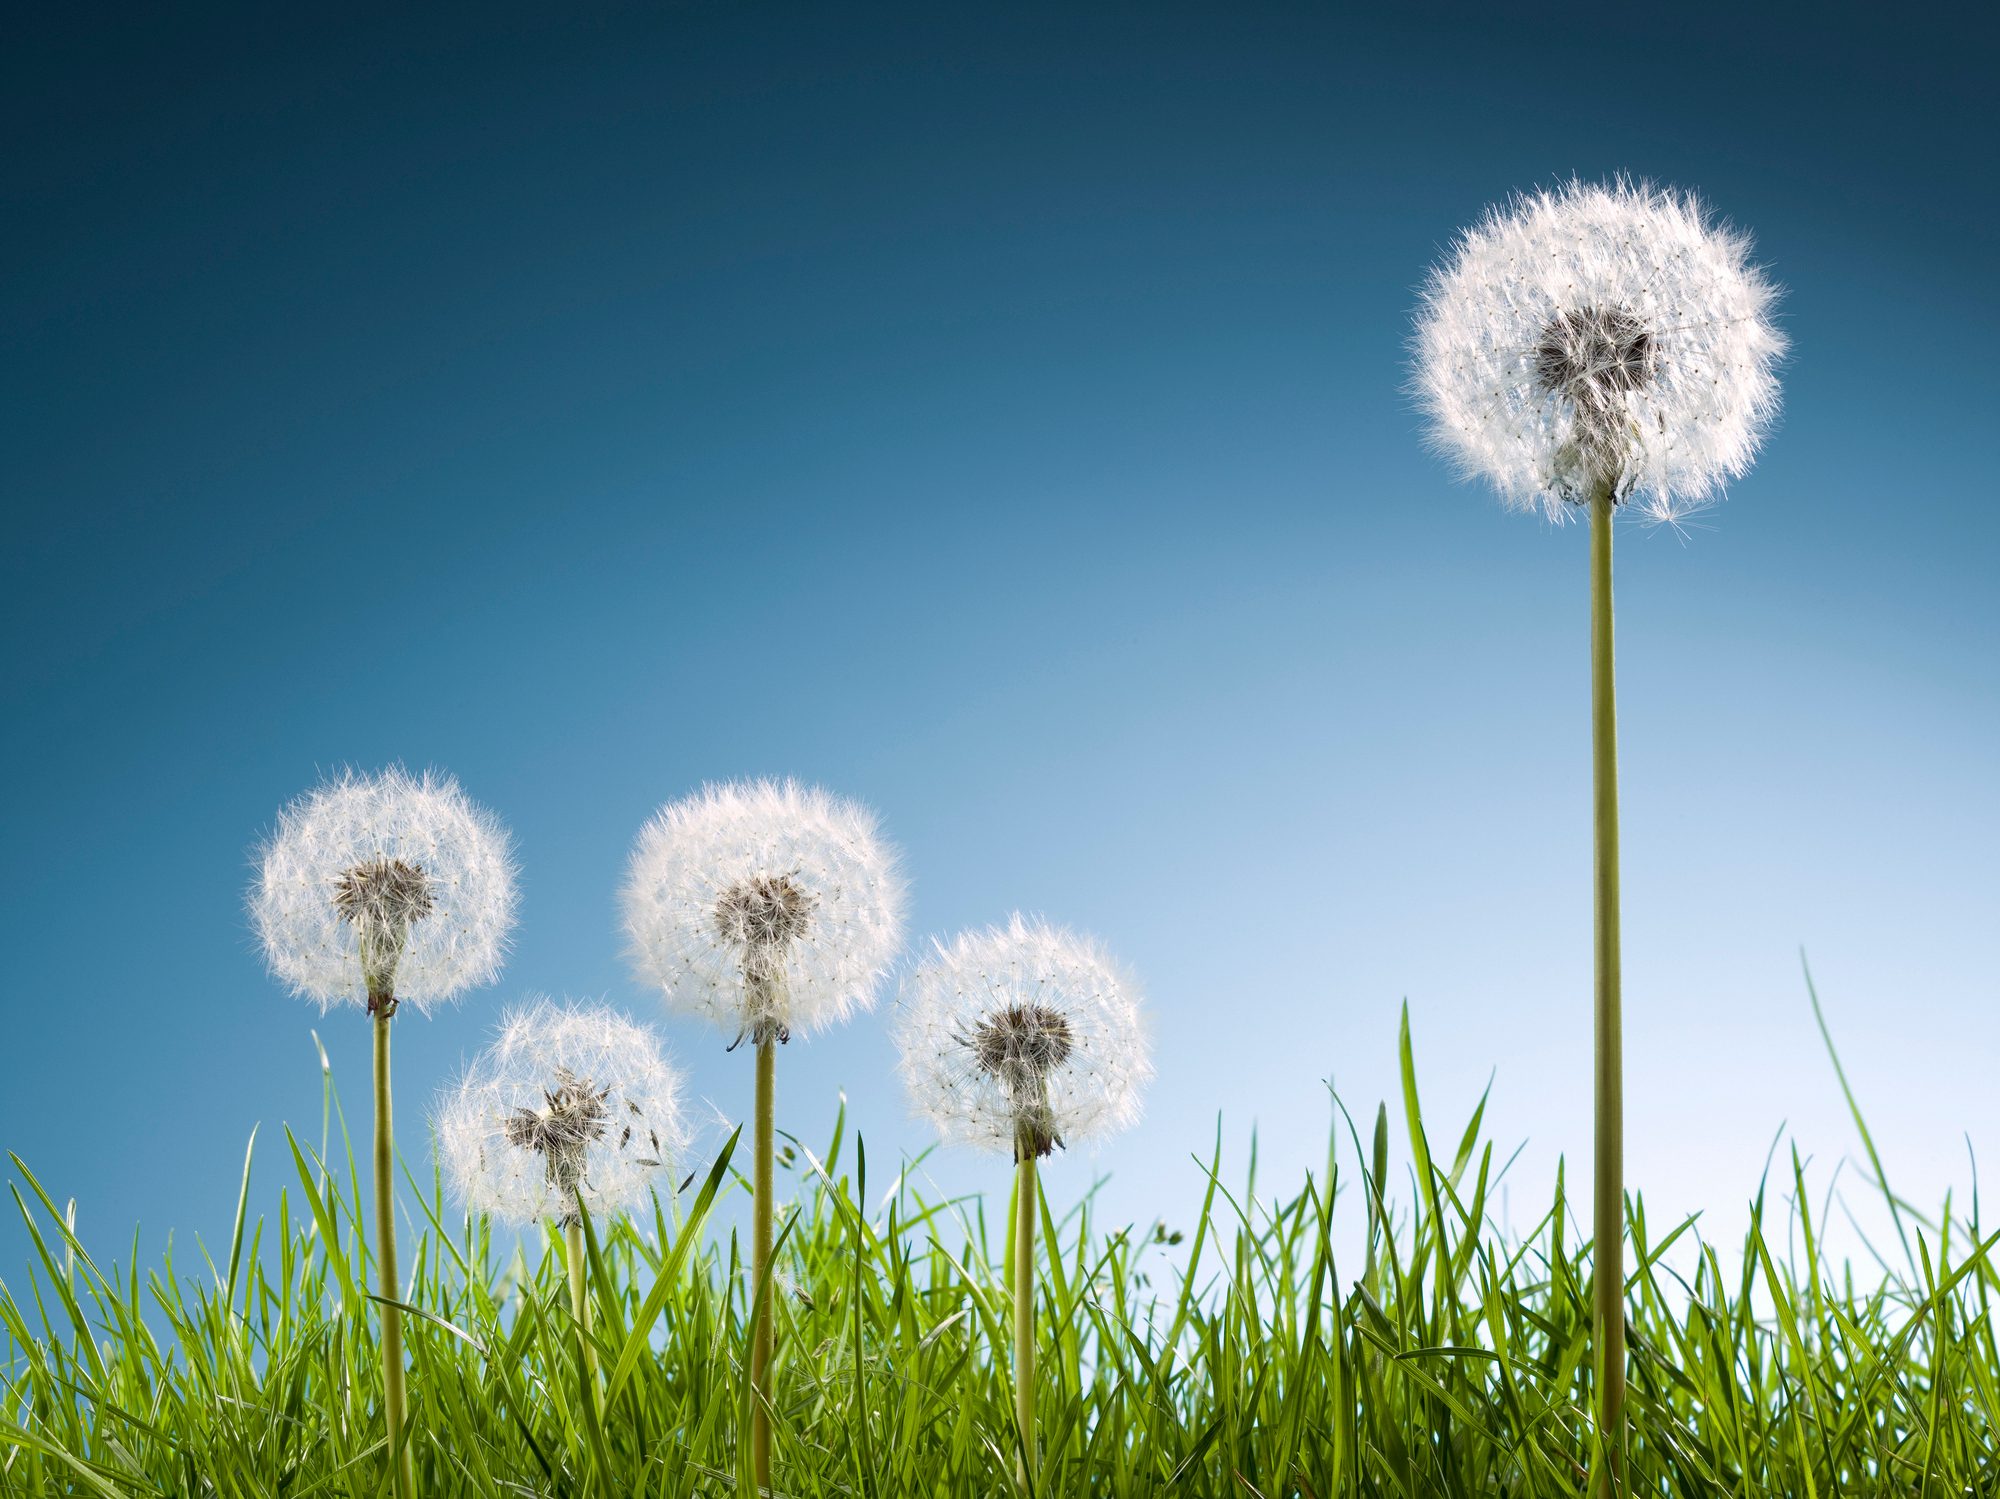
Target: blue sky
[{"x": 997, "y": 417}]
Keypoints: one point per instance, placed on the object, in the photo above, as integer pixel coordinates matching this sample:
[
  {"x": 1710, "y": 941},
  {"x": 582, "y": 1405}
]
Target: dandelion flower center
[
  {"x": 1593, "y": 358},
  {"x": 381, "y": 899},
  {"x": 1594, "y": 355},
  {"x": 573, "y": 1115},
  {"x": 1022, "y": 1044},
  {"x": 383, "y": 894},
  {"x": 765, "y": 911}
]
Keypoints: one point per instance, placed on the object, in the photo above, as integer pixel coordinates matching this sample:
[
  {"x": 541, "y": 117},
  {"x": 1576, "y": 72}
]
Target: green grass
[{"x": 1452, "y": 1359}]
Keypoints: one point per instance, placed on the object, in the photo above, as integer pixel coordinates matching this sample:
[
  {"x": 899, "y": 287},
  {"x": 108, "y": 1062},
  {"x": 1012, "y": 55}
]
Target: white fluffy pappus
[
  {"x": 1022, "y": 1035},
  {"x": 764, "y": 906},
  {"x": 1599, "y": 336},
  {"x": 571, "y": 1103},
  {"x": 385, "y": 885}
]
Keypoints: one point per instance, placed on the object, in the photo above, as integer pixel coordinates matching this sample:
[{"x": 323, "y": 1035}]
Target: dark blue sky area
[{"x": 996, "y": 415}]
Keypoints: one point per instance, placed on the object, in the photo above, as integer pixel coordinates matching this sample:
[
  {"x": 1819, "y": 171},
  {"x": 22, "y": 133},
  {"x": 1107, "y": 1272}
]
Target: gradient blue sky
[{"x": 996, "y": 416}]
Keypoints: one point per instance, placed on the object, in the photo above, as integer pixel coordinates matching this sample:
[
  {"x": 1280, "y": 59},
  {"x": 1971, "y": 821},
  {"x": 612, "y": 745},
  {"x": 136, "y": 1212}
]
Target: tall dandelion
[
  {"x": 573, "y": 1110},
  {"x": 768, "y": 908},
  {"x": 1597, "y": 349},
  {"x": 1020, "y": 1039},
  {"x": 379, "y": 891}
]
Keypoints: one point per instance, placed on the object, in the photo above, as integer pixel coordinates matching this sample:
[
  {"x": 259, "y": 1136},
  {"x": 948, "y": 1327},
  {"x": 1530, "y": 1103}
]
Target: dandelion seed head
[
  {"x": 1022, "y": 1036},
  {"x": 388, "y": 886},
  {"x": 1599, "y": 337},
  {"x": 572, "y": 1104},
  {"x": 764, "y": 906}
]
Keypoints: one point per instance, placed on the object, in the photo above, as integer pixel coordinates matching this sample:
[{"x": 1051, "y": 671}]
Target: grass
[{"x": 1452, "y": 1360}]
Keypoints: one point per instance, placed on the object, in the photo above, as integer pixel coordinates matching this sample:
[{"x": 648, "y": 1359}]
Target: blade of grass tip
[
  {"x": 1854, "y": 1108},
  {"x": 329, "y": 1232},
  {"x": 85, "y": 1340},
  {"x": 669, "y": 1272},
  {"x": 433, "y": 1318},
  {"x": 1184, "y": 1302},
  {"x": 1426, "y": 1170},
  {"x": 242, "y": 1212}
]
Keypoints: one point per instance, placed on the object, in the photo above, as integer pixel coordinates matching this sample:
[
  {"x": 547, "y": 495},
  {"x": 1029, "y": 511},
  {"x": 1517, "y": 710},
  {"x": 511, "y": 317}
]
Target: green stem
[
  {"x": 576, "y": 1252},
  {"x": 1608, "y": 1217},
  {"x": 388, "y": 1284},
  {"x": 1026, "y": 1209},
  {"x": 579, "y": 1299},
  {"x": 760, "y": 1262}
]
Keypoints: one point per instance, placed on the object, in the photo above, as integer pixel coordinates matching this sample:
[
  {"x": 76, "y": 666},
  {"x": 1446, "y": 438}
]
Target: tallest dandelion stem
[
  {"x": 1608, "y": 1199},
  {"x": 1604, "y": 349}
]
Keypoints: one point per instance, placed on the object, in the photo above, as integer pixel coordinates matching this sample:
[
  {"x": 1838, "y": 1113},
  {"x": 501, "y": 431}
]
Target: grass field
[{"x": 1451, "y": 1360}]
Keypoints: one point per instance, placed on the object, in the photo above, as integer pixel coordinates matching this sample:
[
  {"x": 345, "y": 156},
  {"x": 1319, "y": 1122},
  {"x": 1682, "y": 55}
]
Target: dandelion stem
[
  {"x": 383, "y": 1007},
  {"x": 575, "y": 1251},
  {"x": 1026, "y": 1207},
  {"x": 760, "y": 1261},
  {"x": 579, "y": 1301},
  {"x": 1608, "y": 1217}
]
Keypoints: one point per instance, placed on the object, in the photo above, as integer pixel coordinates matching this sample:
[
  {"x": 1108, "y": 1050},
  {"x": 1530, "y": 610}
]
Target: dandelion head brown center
[
  {"x": 1022, "y": 1043},
  {"x": 383, "y": 895},
  {"x": 1593, "y": 356},
  {"x": 765, "y": 911},
  {"x": 574, "y": 1113}
]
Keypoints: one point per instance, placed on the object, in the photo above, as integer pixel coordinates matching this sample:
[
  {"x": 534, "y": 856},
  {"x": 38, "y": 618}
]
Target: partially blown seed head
[
  {"x": 1599, "y": 339},
  {"x": 384, "y": 888},
  {"x": 571, "y": 1105},
  {"x": 764, "y": 906},
  {"x": 1022, "y": 1038}
]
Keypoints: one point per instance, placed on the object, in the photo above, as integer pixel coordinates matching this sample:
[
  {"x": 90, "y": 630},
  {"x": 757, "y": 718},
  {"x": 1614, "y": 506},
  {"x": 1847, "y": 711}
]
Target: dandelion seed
[
  {"x": 527, "y": 1136},
  {"x": 1600, "y": 336}
]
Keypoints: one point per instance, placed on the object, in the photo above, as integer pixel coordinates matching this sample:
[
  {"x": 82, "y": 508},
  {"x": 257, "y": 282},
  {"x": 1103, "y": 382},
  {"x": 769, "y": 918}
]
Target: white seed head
[
  {"x": 764, "y": 906},
  {"x": 570, "y": 1104},
  {"x": 1599, "y": 336},
  {"x": 386, "y": 886},
  {"x": 1022, "y": 1037}
]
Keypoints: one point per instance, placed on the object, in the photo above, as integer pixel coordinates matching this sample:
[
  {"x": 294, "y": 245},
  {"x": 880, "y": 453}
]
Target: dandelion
[
  {"x": 573, "y": 1111},
  {"x": 1596, "y": 342},
  {"x": 1600, "y": 348},
  {"x": 767, "y": 908},
  {"x": 1023, "y": 1038},
  {"x": 379, "y": 890}
]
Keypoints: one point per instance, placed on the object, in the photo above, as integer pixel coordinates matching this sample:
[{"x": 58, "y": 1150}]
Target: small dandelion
[
  {"x": 1022, "y": 1038},
  {"x": 571, "y": 1106},
  {"x": 765, "y": 907},
  {"x": 1601, "y": 348},
  {"x": 377, "y": 890}
]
